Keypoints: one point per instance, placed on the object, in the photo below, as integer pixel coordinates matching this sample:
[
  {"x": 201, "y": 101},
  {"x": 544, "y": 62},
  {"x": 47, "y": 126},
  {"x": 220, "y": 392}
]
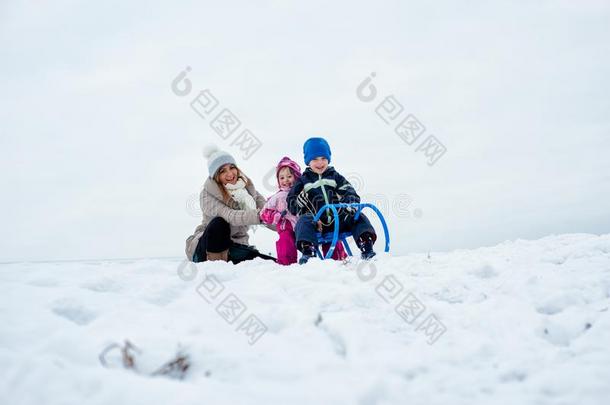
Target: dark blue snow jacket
[{"x": 312, "y": 191}]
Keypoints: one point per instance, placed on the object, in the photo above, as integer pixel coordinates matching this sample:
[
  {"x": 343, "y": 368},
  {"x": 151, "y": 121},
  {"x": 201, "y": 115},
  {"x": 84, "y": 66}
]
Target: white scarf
[{"x": 240, "y": 194}]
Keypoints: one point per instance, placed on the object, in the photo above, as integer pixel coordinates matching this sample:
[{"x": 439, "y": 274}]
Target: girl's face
[
  {"x": 319, "y": 165},
  {"x": 227, "y": 174},
  {"x": 285, "y": 177}
]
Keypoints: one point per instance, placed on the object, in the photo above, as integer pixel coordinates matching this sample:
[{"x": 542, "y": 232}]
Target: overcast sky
[{"x": 101, "y": 159}]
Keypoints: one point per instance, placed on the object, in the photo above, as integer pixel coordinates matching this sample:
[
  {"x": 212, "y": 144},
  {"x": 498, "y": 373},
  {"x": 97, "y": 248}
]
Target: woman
[{"x": 230, "y": 204}]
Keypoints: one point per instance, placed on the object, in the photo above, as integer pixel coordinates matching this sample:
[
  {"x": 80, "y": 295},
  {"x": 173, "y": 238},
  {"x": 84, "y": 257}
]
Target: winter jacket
[
  {"x": 316, "y": 190},
  {"x": 213, "y": 205}
]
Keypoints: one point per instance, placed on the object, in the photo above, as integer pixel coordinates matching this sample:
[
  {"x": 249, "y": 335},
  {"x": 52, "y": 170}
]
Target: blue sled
[{"x": 336, "y": 236}]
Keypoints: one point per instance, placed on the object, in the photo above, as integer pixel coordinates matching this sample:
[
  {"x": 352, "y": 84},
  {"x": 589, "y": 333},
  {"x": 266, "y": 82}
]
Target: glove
[
  {"x": 347, "y": 214},
  {"x": 267, "y": 215},
  {"x": 280, "y": 219}
]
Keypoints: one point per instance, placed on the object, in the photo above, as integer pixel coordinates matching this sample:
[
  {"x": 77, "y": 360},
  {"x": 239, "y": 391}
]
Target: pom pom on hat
[
  {"x": 209, "y": 149},
  {"x": 216, "y": 158}
]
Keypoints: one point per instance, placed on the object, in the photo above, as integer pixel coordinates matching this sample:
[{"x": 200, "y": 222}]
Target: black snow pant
[
  {"x": 306, "y": 229},
  {"x": 217, "y": 238}
]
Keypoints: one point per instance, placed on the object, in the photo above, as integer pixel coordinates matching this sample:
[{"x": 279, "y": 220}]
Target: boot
[
  {"x": 213, "y": 256},
  {"x": 365, "y": 244},
  {"x": 308, "y": 251}
]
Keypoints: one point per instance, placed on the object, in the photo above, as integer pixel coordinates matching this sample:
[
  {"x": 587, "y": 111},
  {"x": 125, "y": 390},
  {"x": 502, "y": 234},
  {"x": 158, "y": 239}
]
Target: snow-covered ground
[{"x": 523, "y": 322}]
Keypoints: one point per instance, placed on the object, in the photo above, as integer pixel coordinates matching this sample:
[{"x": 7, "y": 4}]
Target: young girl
[{"x": 276, "y": 212}]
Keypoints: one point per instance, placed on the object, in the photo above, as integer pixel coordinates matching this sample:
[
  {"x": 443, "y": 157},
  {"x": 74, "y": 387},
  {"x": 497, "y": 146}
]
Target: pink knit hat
[{"x": 287, "y": 162}]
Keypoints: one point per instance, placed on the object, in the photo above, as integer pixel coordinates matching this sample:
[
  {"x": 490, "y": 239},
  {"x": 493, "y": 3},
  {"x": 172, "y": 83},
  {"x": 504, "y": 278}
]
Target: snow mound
[{"x": 521, "y": 322}]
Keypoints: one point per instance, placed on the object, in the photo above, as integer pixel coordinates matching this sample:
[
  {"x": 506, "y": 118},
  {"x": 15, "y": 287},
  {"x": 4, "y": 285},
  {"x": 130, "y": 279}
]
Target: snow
[{"x": 521, "y": 322}]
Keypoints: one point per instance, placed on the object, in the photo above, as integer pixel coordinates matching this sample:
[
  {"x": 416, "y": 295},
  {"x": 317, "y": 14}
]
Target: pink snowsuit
[
  {"x": 276, "y": 212},
  {"x": 272, "y": 214}
]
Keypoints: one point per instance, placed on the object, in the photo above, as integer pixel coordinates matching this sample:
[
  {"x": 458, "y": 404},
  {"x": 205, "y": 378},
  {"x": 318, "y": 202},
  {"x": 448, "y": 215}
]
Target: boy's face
[
  {"x": 319, "y": 165},
  {"x": 285, "y": 177}
]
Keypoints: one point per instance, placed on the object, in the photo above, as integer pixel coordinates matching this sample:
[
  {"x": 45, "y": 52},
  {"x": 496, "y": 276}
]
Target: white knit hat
[{"x": 216, "y": 158}]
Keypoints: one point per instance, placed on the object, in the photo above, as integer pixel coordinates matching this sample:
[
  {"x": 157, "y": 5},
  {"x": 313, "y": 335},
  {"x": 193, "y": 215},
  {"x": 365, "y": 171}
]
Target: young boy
[{"x": 320, "y": 184}]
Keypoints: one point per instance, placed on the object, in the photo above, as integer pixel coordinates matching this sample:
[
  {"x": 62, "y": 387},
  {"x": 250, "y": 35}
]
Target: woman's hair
[{"x": 225, "y": 194}]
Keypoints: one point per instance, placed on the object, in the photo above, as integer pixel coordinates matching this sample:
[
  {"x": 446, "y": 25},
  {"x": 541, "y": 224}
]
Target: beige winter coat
[{"x": 213, "y": 205}]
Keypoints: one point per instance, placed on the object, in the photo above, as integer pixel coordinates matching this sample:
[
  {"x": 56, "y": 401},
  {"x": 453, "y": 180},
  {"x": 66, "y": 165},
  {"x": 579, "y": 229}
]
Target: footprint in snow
[
  {"x": 559, "y": 302},
  {"x": 513, "y": 376},
  {"x": 485, "y": 271},
  {"x": 43, "y": 282},
  {"x": 102, "y": 285},
  {"x": 162, "y": 296},
  {"x": 74, "y": 312},
  {"x": 562, "y": 334}
]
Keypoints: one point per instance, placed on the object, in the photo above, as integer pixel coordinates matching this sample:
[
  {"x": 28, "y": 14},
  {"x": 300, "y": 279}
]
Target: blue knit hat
[{"x": 314, "y": 148}]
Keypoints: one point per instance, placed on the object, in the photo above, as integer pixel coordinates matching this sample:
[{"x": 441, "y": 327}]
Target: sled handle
[{"x": 360, "y": 206}]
